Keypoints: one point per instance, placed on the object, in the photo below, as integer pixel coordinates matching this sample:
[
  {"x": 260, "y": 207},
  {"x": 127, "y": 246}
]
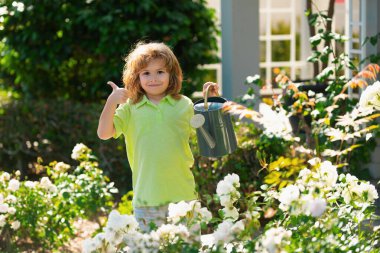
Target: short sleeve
[{"x": 121, "y": 119}]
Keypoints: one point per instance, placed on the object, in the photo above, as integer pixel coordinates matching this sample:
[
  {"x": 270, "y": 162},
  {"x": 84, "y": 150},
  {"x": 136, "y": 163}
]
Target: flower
[
  {"x": 4, "y": 208},
  {"x": 5, "y": 176},
  {"x": 46, "y": 184},
  {"x": 370, "y": 98},
  {"x": 223, "y": 232},
  {"x": 289, "y": 194},
  {"x": 61, "y": 167},
  {"x": 316, "y": 207},
  {"x": 328, "y": 173},
  {"x": 30, "y": 184},
  {"x": 15, "y": 225},
  {"x": 274, "y": 238},
  {"x": 2, "y": 220},
  {"x": 170, "y": 233},
  {"x": 230, "y": 212},
  {"x": 91, "y": 245},
  {"x": 232, "y": 179},
  {"x": 275, "y": 123},
  {"x": 176, "y": 211},
  {"x": 80, "y": 150},
  {"x": 226, "y": 190},
  {"x": 14, "y": 185}
]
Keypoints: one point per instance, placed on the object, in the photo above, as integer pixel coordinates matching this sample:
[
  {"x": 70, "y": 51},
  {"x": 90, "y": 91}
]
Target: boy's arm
[{"x": 106, "y": 128}]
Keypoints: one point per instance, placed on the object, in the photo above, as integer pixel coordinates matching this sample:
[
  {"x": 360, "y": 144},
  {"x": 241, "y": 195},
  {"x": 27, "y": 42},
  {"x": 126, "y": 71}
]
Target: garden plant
[{"x": 284, "y": 190}]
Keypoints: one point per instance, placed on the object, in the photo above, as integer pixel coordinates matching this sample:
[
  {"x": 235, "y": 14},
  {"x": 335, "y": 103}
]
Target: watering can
[{"x": 215, "y": 133}]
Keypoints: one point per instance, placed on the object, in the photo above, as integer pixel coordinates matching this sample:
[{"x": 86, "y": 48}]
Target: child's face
[{"x": 154, "y": 79}]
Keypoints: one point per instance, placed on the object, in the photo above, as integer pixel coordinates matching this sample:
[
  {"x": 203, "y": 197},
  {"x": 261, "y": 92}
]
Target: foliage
[
  {"x": 125, "y": 205},
  {"x": 283, "y": 171},
  {"x": 69, "y": 48},
  {"x": 320, "y": 212},
  {"x": 40, "y": 214},
  {"x": 49, "y": 129}
]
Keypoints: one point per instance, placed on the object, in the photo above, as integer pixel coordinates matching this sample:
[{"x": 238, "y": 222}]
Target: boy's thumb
[{"x": 113, "y": 85}]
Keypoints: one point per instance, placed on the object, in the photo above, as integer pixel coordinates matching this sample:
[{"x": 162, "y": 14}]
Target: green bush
[
  {"x": 71, "y": 48},
  {"x": 49, "y": 129},
  {"x": 40, "y": 214}
]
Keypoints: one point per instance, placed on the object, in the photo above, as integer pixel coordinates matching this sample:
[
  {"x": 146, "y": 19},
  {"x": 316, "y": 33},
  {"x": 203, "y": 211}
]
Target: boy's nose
[{"x": 154, "y": 78}]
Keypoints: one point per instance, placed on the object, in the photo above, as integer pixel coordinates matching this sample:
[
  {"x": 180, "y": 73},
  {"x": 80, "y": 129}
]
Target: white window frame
[
  {"x": 350, "y": 25},
  {"x": 268, "y": 37}
]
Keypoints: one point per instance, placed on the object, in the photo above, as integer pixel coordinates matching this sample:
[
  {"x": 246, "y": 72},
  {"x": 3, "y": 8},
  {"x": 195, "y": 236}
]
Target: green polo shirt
[{"x": 157, "y": 144}]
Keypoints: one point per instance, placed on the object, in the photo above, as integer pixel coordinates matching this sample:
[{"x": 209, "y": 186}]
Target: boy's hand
[
  {"x": 213, "y": 91},
  {"x": 118, "y": 95}
]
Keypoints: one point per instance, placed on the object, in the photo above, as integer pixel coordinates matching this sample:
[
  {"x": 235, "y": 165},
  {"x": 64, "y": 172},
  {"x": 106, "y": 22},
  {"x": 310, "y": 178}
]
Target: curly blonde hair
[{"x": 139, "y": 58}]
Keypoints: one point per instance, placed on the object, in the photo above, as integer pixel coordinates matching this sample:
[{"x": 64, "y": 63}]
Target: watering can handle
[{"x": 206, "y": 97}]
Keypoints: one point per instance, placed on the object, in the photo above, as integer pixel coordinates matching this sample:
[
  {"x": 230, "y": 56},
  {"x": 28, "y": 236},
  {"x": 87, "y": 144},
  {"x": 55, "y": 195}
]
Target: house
[{"x": 248, "y": 42}]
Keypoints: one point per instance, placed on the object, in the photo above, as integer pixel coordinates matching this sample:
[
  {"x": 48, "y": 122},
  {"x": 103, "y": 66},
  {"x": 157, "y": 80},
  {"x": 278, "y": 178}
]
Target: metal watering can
[{"x": 215, "y": 133}]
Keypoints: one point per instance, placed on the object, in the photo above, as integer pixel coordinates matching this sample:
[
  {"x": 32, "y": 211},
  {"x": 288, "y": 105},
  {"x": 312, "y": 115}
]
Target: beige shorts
[{"x": 151, "y": 217}]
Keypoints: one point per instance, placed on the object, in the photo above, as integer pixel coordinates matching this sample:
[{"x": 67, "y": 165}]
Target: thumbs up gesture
[{"x": 118, "y": 95}]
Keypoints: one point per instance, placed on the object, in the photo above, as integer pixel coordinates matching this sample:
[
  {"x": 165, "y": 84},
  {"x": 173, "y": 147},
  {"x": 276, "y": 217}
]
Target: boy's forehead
[{"x": 156, "y": 63}]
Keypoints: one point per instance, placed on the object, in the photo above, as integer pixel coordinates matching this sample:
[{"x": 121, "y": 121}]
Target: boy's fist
[
  {"x": 213, "y": 91},
  {"x": 118, "y": 95}
]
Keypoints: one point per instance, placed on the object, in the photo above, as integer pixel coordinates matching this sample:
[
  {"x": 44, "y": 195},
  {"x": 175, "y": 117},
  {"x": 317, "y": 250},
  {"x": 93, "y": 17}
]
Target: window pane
[{"x": 281, "y": 50}]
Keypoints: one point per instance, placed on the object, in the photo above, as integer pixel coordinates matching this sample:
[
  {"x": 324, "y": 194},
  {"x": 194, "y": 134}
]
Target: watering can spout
[{"x": 197, "y": 121}]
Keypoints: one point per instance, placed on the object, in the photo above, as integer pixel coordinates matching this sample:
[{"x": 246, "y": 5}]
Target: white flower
[
  {"x": 11, "y": 210},
  {"x": 251, "y": 79},
  {"x": 368, "y": 192},
  {"x": 238, "y": 227},
  {"x": 61, "y": 167},
  {"x": 15, "y": 225},
  {"x": 274, "y": 238},
  {"x": 30, "y": 184},
  {"x": 88, "y": 246},
  {"x": 11, "y": 199},
  {"x": 176, "y": 211},
  {"x": 224, "y": 188},
  {"x": 370, "y": 98},
  {"x": 328, "y": 173},
  {"x": 171, "y": 233},
  {"x": 310, "y": 93},
  {"x": 117, "y": 221},
  {"x": 206, "y": 215},
  {"x": 5, "y": 176},
  {"x": 232, "y": 179},
  {"x": 314, "y": 113},
  {"x": 316, "y": 207},
  {"x": 2, "y": 220},
  {"x": 4, "y": 208},
  {"x": 230, "y": 213},
  {"x": 314, "y": 161},
  {"x": 13, "y": 185},
  {"x": 79, "y": 150},
  {"x": 289, "y": 194},
  {"x": 223, "y": 233},
  {"x": 45, "y": 183},
  {"x": 275, "y": 123}
]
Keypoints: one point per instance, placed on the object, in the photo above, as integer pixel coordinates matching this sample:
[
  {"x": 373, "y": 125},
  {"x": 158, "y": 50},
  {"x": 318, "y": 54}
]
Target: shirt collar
[
  {"x": 167, "y": 98},
  {"x": 170, "y": 100}
]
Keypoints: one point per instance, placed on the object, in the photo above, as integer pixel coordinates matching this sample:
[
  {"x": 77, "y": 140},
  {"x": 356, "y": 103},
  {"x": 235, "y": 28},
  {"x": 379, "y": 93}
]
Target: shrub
[
  {"x": 71, "y": 48},
  {"x": 320, "y": 212},
  {"x": 40, "y": 214},
  {"x": 49, "y": 129}
]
